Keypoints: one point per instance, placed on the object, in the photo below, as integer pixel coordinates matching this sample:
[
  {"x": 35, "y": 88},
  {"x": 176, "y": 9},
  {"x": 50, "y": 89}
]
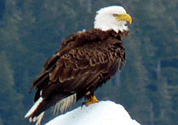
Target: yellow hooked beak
[{"x": 125, "y": 17}]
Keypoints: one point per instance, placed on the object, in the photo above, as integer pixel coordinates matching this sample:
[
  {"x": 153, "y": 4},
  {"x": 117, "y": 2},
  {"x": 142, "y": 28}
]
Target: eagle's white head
[{"x": 112, "y": 17}]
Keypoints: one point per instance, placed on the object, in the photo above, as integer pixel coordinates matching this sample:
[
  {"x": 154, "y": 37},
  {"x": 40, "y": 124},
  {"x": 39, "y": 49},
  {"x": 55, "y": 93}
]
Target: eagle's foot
[{"x": 92, "y": 100}]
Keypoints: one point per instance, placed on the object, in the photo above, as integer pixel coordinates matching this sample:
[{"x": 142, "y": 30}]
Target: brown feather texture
[{"x": 85, "y": 61}]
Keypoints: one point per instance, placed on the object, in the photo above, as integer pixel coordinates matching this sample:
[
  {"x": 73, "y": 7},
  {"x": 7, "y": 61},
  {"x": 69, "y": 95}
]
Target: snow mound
[{"x": 102, "y": 113}]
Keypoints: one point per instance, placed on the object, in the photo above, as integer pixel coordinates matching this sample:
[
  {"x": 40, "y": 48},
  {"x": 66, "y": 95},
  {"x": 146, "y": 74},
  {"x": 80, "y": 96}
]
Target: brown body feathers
[{"x": 85, "y": 61}]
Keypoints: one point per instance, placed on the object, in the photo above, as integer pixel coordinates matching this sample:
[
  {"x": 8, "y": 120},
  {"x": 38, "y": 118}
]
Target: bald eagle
[{"x": 85, "y": 61}]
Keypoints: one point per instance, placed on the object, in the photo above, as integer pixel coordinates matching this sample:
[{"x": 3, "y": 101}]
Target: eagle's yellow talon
[{"x": 92, "y": 100}]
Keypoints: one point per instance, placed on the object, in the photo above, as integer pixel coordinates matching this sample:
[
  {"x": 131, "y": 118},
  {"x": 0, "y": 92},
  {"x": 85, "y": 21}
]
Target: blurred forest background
[{"x": 32, "y": 30}]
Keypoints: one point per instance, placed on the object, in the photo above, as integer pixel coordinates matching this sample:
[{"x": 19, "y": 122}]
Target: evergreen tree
[{"x": 11, "y": 107}]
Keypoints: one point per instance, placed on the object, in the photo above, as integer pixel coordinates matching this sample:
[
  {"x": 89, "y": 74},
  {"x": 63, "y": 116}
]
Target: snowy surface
[{"x": 102, "y": 113}]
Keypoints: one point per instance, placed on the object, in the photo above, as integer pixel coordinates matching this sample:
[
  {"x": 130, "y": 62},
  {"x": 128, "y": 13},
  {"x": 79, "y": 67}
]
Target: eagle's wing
[{"x": 78, "y": 68}]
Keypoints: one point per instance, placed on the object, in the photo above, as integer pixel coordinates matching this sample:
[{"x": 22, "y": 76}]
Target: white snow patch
[{"x": 102, "y": 113}]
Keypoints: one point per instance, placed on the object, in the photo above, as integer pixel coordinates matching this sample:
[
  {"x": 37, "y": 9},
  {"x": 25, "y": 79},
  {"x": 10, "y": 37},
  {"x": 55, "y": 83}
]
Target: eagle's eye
[{"x": 116, "y": 15}]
